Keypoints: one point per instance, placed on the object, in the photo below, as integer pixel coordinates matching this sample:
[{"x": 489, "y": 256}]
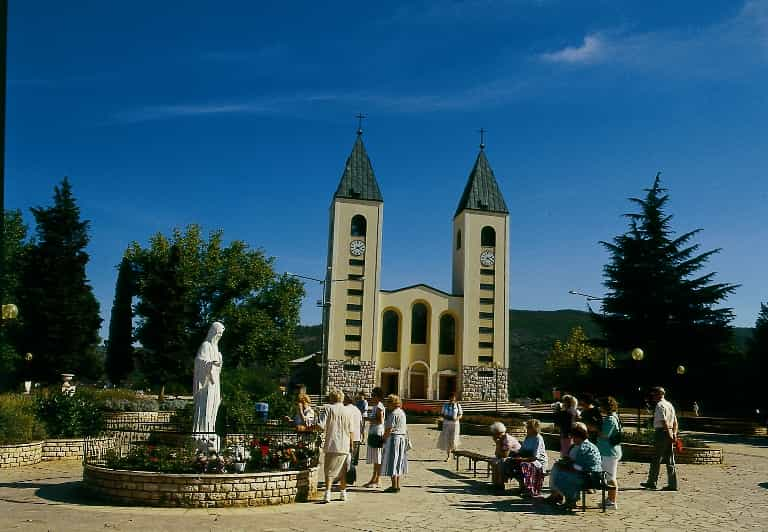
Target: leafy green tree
[
  {"x": 658, "y": 300},
  {"x": 213, "y": 282},
  {"x": 119, "y": 359},
  {"x": 758, "y": 358},
  {"x": 15, "y": 244},
  {"x": 60, "y": 313},
  {"x": 571, "y": 363}
]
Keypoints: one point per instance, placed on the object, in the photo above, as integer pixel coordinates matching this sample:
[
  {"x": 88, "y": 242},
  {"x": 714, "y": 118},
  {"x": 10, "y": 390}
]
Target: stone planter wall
[
  {"x": 635, "y": 452},
  {"x": 138, "y": 417},
  {"x": 20, "y": 454},
  {"x": 70, "y": 449},
  {"x": 200, "y": 491}
]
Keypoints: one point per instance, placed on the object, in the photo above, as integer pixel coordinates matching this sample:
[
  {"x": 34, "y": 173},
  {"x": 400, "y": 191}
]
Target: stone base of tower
[
  {"x": 351, "y": 376},
  {"x": 479, "y": 383}
]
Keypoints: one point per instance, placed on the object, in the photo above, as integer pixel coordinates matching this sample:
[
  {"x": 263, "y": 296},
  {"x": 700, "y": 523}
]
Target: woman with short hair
[
  {"x": 375, "y": 441},
  {"x": 568, "y": 474},
  {"x": 531, "y": 461},
  {"x": 609, "y": 444},
  {"x": 395, "y": 461},
  {"x": 449, "y": 435}
]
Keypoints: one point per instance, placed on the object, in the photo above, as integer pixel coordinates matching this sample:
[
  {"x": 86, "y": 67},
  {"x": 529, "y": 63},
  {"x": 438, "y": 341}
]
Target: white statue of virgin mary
[{"x": 206, "y": 389}]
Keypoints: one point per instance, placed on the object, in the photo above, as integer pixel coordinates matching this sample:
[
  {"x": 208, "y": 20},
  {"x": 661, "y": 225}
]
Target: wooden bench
[{"x": 473, "y": 458}]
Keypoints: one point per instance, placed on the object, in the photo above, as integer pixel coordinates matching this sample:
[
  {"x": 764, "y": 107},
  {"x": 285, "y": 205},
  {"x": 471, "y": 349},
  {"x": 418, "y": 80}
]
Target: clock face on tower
[
  {"x": 357, "y": 248},
  {"x": 487, "y": 258}
]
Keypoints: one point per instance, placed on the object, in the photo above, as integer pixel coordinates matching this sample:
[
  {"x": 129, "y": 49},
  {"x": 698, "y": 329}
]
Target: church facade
[{"x": 418, "y": 341}]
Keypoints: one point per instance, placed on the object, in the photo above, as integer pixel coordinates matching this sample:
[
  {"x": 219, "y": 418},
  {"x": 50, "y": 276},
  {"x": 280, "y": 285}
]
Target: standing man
[
  {"x": 357, "y": 421},
  {"x": 665, "y": 426},
  {"x": 337, "y": 424}
]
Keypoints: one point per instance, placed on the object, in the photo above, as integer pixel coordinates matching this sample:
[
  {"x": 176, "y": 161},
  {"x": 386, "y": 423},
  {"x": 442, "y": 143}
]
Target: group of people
[
  {"x": 343, "y": 421},
  {"x": 590, "y": 443}
]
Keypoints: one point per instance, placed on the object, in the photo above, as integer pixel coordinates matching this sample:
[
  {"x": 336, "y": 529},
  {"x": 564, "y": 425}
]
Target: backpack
[{"x": 616, "y": 437}]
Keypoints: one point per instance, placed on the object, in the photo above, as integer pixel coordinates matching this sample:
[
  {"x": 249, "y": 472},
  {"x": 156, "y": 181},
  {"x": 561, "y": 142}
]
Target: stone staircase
[{"x": 473, "y": 407}]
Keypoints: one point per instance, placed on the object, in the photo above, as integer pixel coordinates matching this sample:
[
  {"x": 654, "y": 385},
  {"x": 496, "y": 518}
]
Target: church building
[{"x": 418, "y": 341}]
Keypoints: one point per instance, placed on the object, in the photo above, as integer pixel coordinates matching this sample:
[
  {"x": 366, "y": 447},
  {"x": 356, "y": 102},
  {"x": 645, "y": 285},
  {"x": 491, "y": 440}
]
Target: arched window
[
  {"x": 458, "y": 239},
  {"x": 447, "y": 335},
  {"x": 419, "y": 324},
  {"x": 358, "y": 225},
  {"x": 390, "y": 332},
  {"x": 488, "y": 236}
]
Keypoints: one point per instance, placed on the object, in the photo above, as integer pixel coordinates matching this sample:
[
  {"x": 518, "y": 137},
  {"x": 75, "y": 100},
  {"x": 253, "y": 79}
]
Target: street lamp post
[
  {"x": 325, "y": 305},
  {"x": 496, "y": 367},
  {"x": 637, "y": 356}
]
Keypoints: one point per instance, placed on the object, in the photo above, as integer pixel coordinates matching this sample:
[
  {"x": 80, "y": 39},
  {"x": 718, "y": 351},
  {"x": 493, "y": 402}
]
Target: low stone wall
[
  {"x": 635, "y": 452},
  {"x": 70, "y": 449},
  {"x": 200, "y": 491},
  {"x": 20, "y": 454},
  {"x": 138, "y": 417}
]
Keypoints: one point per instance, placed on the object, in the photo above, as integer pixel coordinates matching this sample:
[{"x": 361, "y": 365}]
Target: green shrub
[
  {"x": 18, "y": 423},
  {"x": 66, "y": 416}
]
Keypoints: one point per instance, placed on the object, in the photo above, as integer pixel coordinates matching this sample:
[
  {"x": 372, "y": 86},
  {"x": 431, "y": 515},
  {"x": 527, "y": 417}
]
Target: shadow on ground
[
  {"x": 764, "y": 485},
  {"x": 737, "y": 439},
  {"x": 51, "y": 492}
]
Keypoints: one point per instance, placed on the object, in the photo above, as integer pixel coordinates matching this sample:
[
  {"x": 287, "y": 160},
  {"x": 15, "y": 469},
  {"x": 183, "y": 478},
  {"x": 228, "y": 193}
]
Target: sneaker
[
  {"x": 648, "y": 485},
  {"x": 391, "y": 490},
  {"x": 343, "y": 497},
  {"x": 668, "y": 488},
  {"x": 327, "y": 497},
  {"x": 611, "y": 505}
]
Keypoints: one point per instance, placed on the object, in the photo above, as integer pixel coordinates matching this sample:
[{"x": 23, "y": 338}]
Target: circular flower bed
[{"x": 200, "y": 491}]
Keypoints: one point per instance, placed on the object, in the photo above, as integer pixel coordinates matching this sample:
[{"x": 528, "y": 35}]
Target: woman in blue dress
[{"x": 568, "y": 475}]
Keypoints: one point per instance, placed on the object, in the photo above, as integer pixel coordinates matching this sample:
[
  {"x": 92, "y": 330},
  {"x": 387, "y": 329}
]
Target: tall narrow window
[
  {"x": 390, "y": 332},
  {"x": 488, "y": 236},
  {"x": 447, "y": 335},
  {"x": 419, "y": 324},
  {"x": 458, "y": 239},
  {"x": 358, "y": 225}
]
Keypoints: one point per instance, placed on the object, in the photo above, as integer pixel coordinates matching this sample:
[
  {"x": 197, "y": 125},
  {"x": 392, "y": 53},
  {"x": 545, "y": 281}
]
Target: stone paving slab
[{"x": 732, "y": 496}]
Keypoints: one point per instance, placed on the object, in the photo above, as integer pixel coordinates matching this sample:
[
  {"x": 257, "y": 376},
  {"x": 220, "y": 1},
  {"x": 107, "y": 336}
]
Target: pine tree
[
  {"x": 657, "y": 299},
  {"x": 757, "y": 357},
  {"x": 60, "y": 312},
  {"x": 119, "y": 360}
]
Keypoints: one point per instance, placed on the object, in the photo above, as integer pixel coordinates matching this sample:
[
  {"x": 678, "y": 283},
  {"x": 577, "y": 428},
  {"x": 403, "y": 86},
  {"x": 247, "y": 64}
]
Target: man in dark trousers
[{"x": 665, "y": 427}]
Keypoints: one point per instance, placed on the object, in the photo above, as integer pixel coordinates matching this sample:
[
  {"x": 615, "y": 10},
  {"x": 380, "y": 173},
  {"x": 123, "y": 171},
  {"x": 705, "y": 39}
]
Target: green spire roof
[
  {"x": 358, "y": 181},
  {"x": 482, "y": 191}
]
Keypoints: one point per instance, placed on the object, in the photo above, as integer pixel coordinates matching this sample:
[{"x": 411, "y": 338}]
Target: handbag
[
  {"x": 351, "y": 476},
  {"x": 375, "y": 441},
  {"x": 678, "y": 445}
]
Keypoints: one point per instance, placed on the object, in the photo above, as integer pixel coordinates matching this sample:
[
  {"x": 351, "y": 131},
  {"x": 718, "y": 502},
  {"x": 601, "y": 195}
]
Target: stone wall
[
  {"x": 20, "y": 454},
  {"x": 200, "y": 491},
  {"x": 70, "y": 449},
  {"x": 352, "y": 376},
  {"x": 138, "y": 417},
  {"x": 479, "y": 383}
]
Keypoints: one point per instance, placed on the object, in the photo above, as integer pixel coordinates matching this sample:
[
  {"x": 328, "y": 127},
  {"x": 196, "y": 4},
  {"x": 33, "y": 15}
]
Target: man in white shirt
[
  {"x": 665, "y": 426},
  {"x": 338, "y": 426}
]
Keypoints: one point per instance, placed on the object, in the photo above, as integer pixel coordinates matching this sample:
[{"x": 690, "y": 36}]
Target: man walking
[
  {"x": 337, "y": 424},
  {"x": 357, "y": 421},
  {"x": 665, "y": 426}
]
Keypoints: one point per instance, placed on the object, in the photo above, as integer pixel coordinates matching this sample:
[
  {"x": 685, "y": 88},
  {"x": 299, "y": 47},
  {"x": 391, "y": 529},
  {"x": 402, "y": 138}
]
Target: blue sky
[{"x": 240, "y": 115}]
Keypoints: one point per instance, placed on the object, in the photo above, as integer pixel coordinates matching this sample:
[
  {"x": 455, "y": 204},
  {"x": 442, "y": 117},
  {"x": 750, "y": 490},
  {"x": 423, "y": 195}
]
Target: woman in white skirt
[
  {"x": 395, "y": 461},
  {"x": 375, "y": 440},
  {"x": 449, "y": 436}
]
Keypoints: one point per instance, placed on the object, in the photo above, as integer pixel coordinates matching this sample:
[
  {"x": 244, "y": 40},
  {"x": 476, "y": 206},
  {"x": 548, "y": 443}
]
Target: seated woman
[
  {"x": 531, "y": 461},
  {"x": 567, "y": 477},
  {"x": 506, "y": 444},
  {"x": 304, "y": 419}
]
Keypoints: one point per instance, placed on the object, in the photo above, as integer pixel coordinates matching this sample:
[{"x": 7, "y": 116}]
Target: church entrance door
[
  {"x": 417, "y": 388},
  {"x": 447, "y": 385},
  {"x": 389, "y": 383}
]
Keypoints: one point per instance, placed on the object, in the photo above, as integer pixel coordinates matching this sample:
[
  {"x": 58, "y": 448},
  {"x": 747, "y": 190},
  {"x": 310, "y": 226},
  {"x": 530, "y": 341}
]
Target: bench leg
[
  {"x": 603, "y": 497},
  {"x": 584, "y": 500}
]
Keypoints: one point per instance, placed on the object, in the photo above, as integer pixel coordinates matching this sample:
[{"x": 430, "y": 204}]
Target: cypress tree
[
  {"x": 659, "y": 301},
  {"x": 119, "y": 361},
  {"x": 60, "y": 312}
]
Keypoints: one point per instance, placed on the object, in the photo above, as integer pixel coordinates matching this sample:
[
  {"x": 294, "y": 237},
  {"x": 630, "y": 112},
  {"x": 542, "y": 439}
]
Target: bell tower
[
  {"x": 481, "y": 275},
  {"x": 353, "y": 275}
]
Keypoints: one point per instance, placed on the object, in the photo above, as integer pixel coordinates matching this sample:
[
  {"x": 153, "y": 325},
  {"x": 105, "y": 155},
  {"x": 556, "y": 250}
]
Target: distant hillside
[{"x": 531, "y": 335}]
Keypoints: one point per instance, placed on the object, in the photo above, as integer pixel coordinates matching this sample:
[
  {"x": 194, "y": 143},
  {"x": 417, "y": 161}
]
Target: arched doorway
[{"x": 418, "y": 380}]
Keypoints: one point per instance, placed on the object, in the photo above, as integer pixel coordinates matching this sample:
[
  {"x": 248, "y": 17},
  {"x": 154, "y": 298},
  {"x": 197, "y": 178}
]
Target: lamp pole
[
  {"x": 325, "y": 305},
  {"x": 496, "y": 367},
  {"x": 588, "y": 298},
  {"x": 637, "y": 356}
]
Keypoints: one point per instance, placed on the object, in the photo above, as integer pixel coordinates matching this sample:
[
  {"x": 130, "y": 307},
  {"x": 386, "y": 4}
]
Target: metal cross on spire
[
  {"x": 482, "y": 138},
  {"x": 360, "y": 117}
]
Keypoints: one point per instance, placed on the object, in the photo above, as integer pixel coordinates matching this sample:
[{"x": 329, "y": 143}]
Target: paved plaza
[{"x": 434, "y": 497}]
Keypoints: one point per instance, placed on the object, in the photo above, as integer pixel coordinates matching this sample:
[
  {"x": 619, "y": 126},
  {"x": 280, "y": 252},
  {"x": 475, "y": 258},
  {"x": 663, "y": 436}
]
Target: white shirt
[
  {"x": 664, "y": 412},
  {"x": 337, "y": 424},
  {"x": 357, "y": 420}
]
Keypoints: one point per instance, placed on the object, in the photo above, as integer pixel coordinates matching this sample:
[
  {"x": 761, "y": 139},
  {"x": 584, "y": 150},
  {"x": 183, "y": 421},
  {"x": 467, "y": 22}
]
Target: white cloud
[{"x": 593, "y": 49}]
